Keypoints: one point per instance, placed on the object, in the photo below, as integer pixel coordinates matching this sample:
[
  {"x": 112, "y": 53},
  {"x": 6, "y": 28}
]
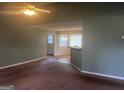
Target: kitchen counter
[{"x": 75, "y": 56}]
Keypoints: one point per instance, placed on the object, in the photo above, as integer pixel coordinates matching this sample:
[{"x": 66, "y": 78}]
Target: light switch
[{"x": 122, "y": 36}]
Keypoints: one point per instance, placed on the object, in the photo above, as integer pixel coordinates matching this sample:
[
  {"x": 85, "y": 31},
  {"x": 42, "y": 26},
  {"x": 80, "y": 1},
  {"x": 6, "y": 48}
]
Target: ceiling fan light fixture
[{"x": 29, "y": 12}]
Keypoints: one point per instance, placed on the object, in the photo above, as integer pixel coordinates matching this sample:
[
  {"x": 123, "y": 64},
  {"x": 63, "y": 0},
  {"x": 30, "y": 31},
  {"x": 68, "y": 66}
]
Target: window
[
  {"x": 50, "y": 39},
  {"x": 63, "y": 40},
  {"x": 75, "y": 40}
]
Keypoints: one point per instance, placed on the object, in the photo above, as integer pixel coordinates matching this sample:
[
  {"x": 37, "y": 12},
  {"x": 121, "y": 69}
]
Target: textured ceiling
[
  {"x": 61, "y": 12},
  {"x": 61, "y": 26}
]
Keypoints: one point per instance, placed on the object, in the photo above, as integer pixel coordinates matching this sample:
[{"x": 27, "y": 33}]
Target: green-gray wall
[
  {"x": 22, "y": 44},
  {"x": 103, "y": 49}
]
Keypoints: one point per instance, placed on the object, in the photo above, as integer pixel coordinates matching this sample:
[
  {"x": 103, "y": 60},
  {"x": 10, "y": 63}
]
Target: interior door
[{"x": 50, "y": 44}]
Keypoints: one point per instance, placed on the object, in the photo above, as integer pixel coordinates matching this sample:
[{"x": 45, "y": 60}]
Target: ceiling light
[{"x": 29, "y": 12}]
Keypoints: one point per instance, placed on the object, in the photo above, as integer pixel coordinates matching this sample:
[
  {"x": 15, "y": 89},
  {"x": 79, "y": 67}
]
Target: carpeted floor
[{"x": 51, "y": 73}]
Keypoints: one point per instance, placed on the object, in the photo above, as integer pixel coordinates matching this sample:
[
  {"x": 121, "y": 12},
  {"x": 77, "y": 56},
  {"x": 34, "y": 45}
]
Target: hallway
[{"x": 51, "y": 73}]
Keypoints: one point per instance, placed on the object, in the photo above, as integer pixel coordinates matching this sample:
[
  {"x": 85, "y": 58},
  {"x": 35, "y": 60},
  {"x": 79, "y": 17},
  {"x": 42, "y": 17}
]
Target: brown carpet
[{"x": 50, "y": 74}]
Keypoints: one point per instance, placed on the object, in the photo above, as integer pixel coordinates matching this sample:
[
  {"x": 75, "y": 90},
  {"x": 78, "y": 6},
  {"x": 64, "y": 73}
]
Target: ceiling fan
[{"x": 29, "y": 10}]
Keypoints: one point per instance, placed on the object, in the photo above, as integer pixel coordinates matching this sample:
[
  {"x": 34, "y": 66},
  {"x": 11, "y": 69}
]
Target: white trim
[
  {"x": 76, "y": 67},
  {"x": 29, "y": 61},
  {"x": 103, "y": 75},
  {"x": 98, "y": 74}
]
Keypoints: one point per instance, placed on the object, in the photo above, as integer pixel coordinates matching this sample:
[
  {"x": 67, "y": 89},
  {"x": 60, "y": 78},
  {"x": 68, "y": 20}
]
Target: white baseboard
[
  {"x": 29, "y": 61},
  {"x": 76, "y": 67},
  {"x": 98, "y": 74}
]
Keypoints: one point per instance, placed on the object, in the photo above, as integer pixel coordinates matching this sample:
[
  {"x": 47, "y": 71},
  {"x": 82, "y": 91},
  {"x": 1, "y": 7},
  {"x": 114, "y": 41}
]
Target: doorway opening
[
  {"x": 50, "y": 44},
  {"x": 61, "y": 40}
]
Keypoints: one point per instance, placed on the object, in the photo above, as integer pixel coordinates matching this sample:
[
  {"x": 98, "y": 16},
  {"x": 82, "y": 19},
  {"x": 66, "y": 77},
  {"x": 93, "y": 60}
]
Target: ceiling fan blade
[
  {"x": 37, "y": 9},
  {"x": 43, "y": 10},
  {"x": 20, "y": 10},
  {"x": 9, "y": 12},
  {"x": 13, "y": 7}
]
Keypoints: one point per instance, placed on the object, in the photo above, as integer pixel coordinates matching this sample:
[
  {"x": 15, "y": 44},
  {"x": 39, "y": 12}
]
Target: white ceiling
[{"x": 61, "y": 26}]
